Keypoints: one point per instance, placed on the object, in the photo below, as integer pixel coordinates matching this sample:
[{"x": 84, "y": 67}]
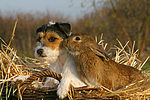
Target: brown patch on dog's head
[
  {"x": 50, "y": 39},
  {"x": 52, "y": 35}
]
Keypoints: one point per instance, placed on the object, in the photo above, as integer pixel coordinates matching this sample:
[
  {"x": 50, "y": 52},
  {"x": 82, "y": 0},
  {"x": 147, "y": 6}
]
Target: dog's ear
[
  {"x": 65, "y": 26},
  {"x": 41, "y": 28}
]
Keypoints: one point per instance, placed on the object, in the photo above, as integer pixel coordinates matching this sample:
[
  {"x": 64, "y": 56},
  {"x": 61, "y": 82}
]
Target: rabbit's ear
[{"x": 99, "y": 51}]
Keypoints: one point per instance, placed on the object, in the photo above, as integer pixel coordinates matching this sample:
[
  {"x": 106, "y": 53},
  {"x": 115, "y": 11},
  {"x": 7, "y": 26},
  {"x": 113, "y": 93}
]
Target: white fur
[
  {"x": 70, "y": 76},
  {"x": 51, "y": 55},
  {"x": 51, "y": 82},
  {"x": 61, "y": 62},
  {"x": 21, "y": 77}
]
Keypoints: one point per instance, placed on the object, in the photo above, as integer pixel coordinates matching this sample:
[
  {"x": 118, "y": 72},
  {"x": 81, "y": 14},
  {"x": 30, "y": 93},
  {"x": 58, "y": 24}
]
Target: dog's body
[{"x": 50, "y": 49}]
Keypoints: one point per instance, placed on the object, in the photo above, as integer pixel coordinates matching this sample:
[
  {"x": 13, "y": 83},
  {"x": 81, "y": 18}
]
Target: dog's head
[{"x": 49, "y": 40}]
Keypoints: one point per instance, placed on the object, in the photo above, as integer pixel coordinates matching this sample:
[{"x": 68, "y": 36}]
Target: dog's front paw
[
  {"x": 62, "y": 91},
  {"x": 21, "y": 77},
  {"x": 51, "y": 82}
]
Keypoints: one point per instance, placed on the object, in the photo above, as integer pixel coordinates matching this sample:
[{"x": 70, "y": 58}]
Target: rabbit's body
[
  {"x": 95, "y": 67},
  {"x": 96, "y": 71}
]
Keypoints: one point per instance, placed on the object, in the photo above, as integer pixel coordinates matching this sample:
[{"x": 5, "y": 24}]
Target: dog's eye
[{"x": 52, "y": 39}]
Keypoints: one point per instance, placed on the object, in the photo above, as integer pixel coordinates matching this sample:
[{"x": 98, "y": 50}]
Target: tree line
[{"x": 126, "y": 20}]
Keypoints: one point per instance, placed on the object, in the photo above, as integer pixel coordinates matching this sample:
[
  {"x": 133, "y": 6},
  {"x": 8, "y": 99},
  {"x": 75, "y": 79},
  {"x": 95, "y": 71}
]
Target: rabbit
[{"x": 94, "y": 65}]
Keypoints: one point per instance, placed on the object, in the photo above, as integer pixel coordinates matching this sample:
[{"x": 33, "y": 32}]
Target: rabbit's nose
[{"x": 40, "y": 51}]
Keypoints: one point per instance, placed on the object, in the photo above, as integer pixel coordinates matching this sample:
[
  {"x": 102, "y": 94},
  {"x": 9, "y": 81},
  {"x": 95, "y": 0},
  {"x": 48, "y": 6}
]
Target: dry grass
[{"x": 13, "y": 66}]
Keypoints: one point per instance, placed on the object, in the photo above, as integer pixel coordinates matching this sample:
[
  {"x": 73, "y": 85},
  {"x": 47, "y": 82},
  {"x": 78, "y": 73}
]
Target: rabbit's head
[{"x": 78, "y": 43}]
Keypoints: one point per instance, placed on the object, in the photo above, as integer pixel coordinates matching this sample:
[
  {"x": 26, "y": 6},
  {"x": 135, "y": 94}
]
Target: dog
[
  {"x": 94, "y": 65},
  {"x": 50, "y": 48}
]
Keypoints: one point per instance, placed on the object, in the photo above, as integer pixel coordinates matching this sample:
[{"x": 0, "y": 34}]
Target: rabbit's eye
[
  {"x": 77, "y": 38},
  {"x": 52, "y": 39}
]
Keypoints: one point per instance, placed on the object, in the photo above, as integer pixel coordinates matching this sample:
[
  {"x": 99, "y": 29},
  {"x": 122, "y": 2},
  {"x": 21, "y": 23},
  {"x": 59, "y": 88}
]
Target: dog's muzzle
[{"x": 40, "y": 52}]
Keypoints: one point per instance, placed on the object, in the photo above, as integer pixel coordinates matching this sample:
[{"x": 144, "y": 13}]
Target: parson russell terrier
[{"x": 50, "y": 48}]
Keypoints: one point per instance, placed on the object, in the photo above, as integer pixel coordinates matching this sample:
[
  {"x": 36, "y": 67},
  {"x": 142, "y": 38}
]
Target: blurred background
[{"x": 126, "y": 20}]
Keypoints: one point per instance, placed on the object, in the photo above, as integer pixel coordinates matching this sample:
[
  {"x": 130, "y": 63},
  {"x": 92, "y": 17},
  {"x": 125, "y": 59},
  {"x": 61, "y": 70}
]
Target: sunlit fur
[
  {"x": 60, "y": 62},
  {"x": 94, "y": 65}
]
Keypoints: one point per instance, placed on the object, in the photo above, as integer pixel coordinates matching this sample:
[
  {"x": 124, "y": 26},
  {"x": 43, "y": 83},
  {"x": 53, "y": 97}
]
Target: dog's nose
[{"x": 40, "y": 51}]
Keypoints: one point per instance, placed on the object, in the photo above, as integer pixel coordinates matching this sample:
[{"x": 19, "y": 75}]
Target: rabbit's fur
[{"x": 95, "y": 67}]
